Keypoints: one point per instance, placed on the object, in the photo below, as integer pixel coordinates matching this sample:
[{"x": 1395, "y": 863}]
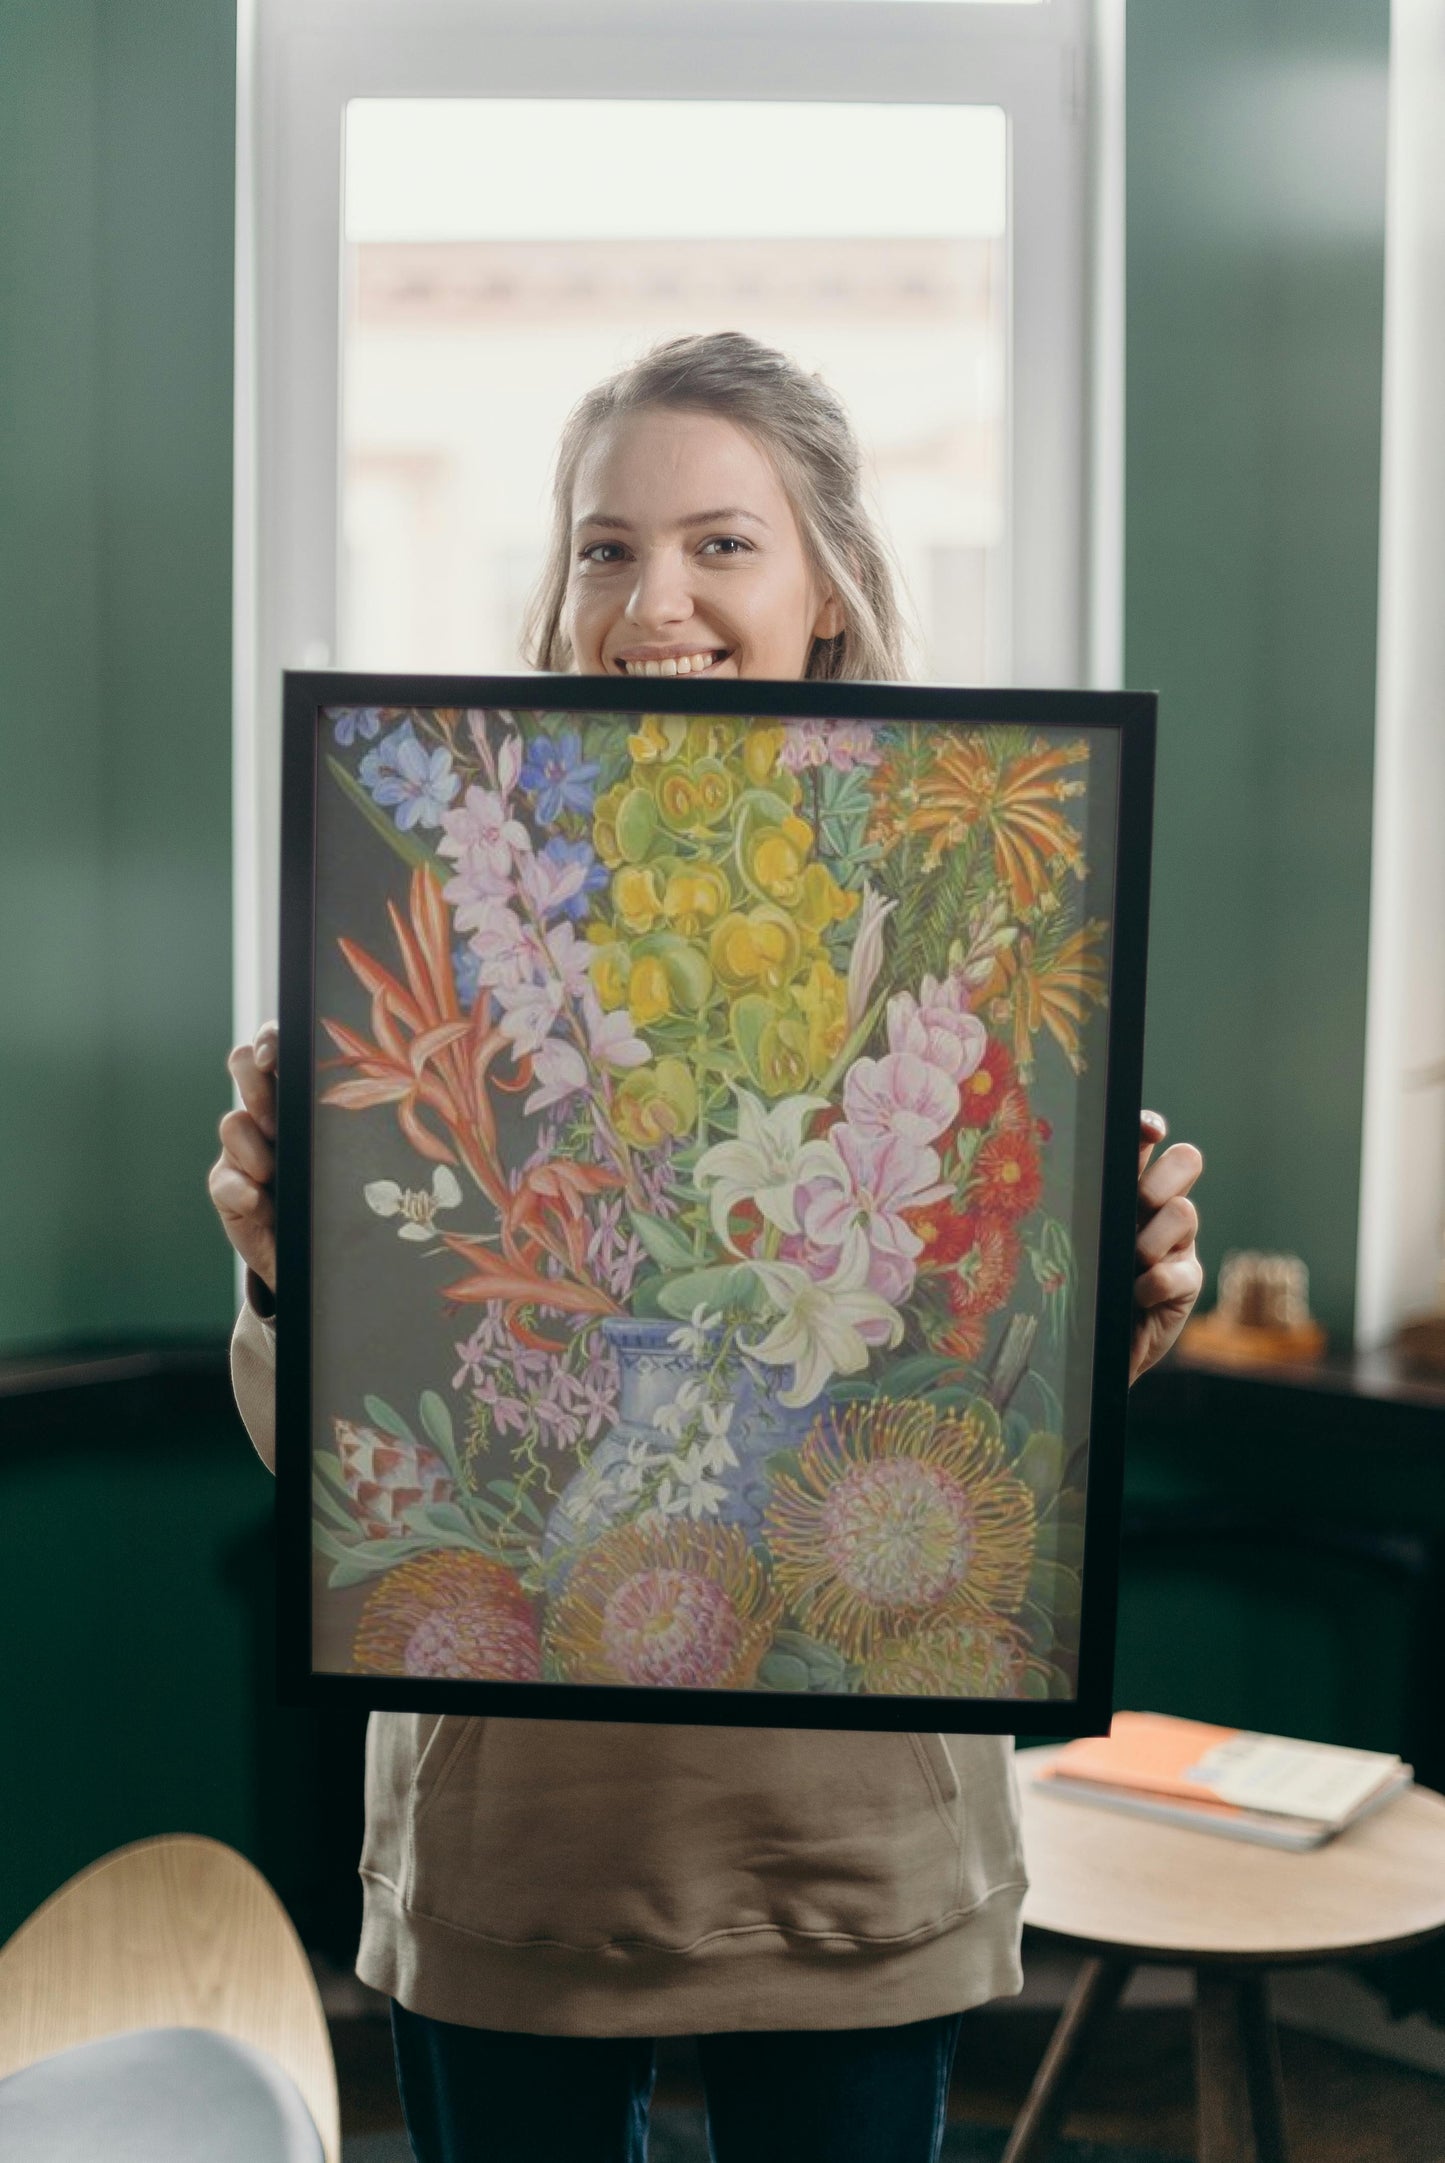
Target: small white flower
[
  {"x": 699, "y": 1494},
  {"x": 692, "y": 1337},
  {"x": 414, "y": 1204}
]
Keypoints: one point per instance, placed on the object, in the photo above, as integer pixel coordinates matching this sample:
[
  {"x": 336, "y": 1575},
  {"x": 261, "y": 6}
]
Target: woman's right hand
[{"x": 241, "y": 1178}]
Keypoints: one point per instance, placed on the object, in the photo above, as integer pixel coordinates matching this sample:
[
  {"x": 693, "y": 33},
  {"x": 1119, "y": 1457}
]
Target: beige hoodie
[{"x": 577, "y": 1878}]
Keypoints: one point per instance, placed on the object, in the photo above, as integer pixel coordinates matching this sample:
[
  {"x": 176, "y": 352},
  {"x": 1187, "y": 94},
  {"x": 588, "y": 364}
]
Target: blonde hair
[{"x": 805, "y": 429}]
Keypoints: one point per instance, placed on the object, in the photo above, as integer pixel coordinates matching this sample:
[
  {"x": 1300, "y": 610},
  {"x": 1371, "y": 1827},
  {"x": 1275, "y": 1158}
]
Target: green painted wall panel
[
  {"x": 1255, "y": 272},
  {"x": 117, "y": 135}
]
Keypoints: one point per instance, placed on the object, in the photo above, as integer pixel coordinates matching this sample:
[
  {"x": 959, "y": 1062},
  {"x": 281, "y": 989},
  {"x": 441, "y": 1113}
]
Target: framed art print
[{"x": 708, "y": 1142}]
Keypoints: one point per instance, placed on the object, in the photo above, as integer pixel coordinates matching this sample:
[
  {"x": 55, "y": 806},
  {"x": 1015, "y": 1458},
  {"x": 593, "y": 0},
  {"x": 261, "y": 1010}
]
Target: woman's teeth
[{"x": 687, "y": 664}]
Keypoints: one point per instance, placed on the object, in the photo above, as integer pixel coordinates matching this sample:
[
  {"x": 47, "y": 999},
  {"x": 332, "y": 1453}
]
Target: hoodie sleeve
[{"x": 253, "y": 1369}]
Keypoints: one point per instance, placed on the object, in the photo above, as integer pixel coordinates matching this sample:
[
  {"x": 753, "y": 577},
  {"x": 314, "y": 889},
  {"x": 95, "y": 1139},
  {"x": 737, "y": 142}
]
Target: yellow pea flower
[
  {"x": 693, "y": 898},
  {"x": 677, "y": 798},
  {"x": 823, "y": 999},
  {"x": 649, "y": 996},
  {"x": 608, "y": 972},
  {"x": 760, "y": 753},
  {"x": 658, "y": 737},
  {"x": 635, "y": 896},
  {"x": 821, "y": 901},
  {"x": 761, "y": 948},
  {"x": 655, "y": 1103}
]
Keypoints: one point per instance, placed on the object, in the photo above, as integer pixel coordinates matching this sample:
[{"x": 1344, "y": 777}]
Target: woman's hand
[
  {"x": 1168, "y": 1275},
  {"x": 241, "y": 1178}
]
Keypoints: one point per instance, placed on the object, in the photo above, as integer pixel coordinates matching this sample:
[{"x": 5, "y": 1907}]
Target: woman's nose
[{"x": 661, "y": 595}]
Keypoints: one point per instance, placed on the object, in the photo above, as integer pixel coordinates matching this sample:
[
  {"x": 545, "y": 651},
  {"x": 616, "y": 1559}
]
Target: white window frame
[{"x": 1056, "y": 70}]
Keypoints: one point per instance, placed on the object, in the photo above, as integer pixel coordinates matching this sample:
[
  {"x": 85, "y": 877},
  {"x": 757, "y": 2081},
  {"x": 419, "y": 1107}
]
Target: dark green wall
[
  {"x": 1256, "y": 160},
  {"x": 117, "y": 133}
]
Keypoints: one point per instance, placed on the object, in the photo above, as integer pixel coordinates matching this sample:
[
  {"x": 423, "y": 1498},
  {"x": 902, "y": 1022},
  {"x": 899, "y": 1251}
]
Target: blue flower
[
  {"x": 466, "y": 969},
  {"x": 563, "y": 854},
  {"x": 557, "y": 776},
  {"x": 403, "y": 775},
  {"x": 354, "y": 721}
]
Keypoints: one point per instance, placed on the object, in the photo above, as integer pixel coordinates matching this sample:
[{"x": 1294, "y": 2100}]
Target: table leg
[
  {"x": 1261, "y": 2044},
  {"x": 1241, "y": 2115},
  {"x": 1096, "y": 1992}
]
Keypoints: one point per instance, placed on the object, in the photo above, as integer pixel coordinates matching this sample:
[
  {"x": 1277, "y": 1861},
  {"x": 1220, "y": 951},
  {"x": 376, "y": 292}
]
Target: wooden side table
[{"x": 1125, "y": 1890}]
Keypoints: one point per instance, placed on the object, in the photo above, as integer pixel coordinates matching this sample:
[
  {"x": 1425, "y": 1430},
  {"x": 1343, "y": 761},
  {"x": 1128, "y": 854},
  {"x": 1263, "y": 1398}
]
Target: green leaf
[
  {"x": 664, "y": 1242},
  {"x": 379, "y": 1412},
  {"x": 1035, "y": 1684},
  {"x": 780, "y": 1671},
  {"x": 918, "y": 1375},
  {"x": 331, "y": 1507},
  {"x": 721, "y": 1286},
  {"x": 646, "y": 1298},
  {"x": 517, "y": 1499},
  {"x": 437, "y": 1419},
  {"x": 1053, "y": 1410},
  {"x": 1057, "y": 1590},
  {"x": 1068, "y": 1545},
  {"x": 1041, "y": 1463}
]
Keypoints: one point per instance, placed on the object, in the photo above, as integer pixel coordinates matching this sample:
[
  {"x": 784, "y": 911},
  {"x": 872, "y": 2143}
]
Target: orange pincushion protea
[
  {"x": 671, "y": 1605},
  {"x": 451, "y": 1613},
  {"x": 900, "y": 1516},
  {"x": 987, "y": 1658}
]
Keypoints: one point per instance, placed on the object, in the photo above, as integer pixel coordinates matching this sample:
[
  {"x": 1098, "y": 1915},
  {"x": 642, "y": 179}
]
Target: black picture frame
[{"x": 1129, "y": 718}]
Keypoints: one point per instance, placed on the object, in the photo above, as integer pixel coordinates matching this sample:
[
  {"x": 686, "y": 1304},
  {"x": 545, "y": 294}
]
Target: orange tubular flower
[
  {"x": 1015, "y": 799},
  {"x": 428, "y": 1058},
  {"x": 1051, "y": 984}
]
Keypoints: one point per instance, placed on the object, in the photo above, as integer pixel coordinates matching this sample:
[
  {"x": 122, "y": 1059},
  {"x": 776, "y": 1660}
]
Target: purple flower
[
  {"x": 566, "y": 856},
  {"x": 404, "y": 776},
  {"x": 354, "y": 721},
  {"x": 557, "y": 776}
]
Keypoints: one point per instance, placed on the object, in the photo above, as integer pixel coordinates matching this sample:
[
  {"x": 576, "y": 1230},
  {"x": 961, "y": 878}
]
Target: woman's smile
[{"x": 672, "y": 660}]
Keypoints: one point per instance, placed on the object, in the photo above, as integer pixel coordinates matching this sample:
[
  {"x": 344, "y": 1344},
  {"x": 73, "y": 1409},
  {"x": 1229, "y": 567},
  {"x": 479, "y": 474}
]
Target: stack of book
[{"x": 1270, "y": 1788}]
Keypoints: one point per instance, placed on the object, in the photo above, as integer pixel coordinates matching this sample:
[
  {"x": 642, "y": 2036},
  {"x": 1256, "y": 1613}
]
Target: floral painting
[{"x": 708, "y": 1131}]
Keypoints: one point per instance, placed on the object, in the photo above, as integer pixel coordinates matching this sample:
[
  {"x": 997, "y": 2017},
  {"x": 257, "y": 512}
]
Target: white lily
[
  {"x": 767, "y": 1162},
  {"x": 823, "y": 1322},
  {"x": 415, "y": 1204}
]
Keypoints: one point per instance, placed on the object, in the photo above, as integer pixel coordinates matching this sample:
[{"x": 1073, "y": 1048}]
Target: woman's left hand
[{"x": 1167, "y": 1272}]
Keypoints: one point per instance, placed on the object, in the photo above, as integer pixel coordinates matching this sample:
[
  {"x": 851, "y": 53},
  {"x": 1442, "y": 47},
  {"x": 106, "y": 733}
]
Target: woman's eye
[
  {"x": 726, "y": 544},
  {"x": 602, "y": 552}
]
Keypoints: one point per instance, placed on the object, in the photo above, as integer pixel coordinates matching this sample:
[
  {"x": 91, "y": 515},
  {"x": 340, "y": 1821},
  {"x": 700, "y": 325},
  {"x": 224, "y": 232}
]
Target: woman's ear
[{"x": 830, "y": 619}]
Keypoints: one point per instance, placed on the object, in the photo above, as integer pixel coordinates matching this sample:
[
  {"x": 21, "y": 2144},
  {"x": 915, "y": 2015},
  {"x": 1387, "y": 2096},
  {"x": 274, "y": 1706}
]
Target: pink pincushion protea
[
  {"x": 900, "y": 1517},
  {"x": 680, "y": 1606},
  {"x": 449, "y": 1614},
  {"x": 385, "y": 1477}
]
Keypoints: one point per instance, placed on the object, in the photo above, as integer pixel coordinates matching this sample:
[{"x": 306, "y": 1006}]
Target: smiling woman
[{"x": 789, "y": 579}]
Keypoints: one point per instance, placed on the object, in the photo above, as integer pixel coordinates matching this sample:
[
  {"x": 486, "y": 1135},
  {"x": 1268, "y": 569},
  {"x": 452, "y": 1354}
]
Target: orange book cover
[
  {"x": 1146, "y": 1750},
  {"x": 1227, "y": 1767}
]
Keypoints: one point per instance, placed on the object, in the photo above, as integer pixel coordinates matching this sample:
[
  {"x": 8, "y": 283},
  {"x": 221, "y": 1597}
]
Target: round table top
[{"x": 1166, "y": 1892}]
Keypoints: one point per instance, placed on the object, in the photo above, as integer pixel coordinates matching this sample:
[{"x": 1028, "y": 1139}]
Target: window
[{"x": 454, "y": 218}]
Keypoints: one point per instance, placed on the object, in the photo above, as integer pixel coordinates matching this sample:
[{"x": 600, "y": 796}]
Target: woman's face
[{"x": 686, "y": 556}]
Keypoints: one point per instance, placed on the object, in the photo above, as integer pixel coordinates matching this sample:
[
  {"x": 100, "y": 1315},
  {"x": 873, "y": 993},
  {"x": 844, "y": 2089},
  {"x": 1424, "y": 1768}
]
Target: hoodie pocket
[{"x": 668, "y": 1836}]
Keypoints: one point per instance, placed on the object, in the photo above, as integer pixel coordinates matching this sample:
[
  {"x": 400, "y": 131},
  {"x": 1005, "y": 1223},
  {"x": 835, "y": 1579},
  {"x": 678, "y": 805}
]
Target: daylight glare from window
[{"x": 868, "y": 241}]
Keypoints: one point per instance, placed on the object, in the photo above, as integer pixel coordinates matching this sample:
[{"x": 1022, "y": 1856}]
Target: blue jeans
[{"x": 833, "y": 2095}]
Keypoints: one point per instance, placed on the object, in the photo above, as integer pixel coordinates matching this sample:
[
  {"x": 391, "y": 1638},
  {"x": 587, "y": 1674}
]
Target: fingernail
[{"x": 1156, "y": 1120}]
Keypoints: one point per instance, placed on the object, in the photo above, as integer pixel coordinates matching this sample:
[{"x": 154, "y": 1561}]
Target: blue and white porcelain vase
[{"x": 653, "y": 1373}]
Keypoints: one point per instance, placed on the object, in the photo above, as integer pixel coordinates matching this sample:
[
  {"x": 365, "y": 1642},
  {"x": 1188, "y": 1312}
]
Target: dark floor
[{"x": 1343, "y": 2105}]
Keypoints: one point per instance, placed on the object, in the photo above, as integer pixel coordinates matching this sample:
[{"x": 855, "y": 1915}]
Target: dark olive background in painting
[{"x": 379, "y": 1326}]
